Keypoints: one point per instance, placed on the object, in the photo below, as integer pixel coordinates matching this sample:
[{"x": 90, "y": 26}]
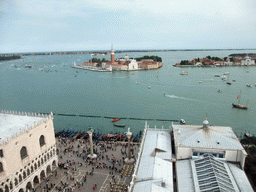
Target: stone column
[
  {"x": 91, "y": 155},
  {"x": 129, "y": 160}
]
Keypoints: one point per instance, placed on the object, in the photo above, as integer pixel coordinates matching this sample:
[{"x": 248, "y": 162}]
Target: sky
[{"x": 81, "y": 25}]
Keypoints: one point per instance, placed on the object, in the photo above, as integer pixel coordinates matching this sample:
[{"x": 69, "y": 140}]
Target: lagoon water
[{"x": 64, "y": 90}]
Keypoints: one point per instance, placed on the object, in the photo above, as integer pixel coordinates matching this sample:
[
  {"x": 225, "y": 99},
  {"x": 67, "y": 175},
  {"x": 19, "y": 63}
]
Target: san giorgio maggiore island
[
  {"x": 232, "y": 60},
  {"x": 121, "y": 64}
]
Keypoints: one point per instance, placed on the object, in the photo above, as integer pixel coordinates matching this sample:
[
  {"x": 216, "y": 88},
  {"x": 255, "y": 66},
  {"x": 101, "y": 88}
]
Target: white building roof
[
  {"x": 207, "y": 174},
  {"x": 211, "y": 137},
  {"x": 155, "y": 168},
  {"x": 12, "y": 125}
]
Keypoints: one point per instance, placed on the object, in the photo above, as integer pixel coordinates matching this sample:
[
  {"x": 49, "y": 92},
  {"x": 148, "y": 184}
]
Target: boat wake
[{"x": 176, "y": 97}]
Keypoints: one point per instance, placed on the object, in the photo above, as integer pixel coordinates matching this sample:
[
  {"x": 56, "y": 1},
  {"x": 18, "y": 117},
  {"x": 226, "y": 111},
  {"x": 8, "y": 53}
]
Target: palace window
[
  {"x": 1, "y": 167},
  {"x": 1, "y": 153},
  {"x": 23, "y": 153},
  {"x": 41, "y": 141}
]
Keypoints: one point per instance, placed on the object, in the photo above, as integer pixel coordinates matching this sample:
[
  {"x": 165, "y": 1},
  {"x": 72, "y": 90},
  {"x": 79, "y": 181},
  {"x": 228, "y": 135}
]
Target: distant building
[
  {"x": 127, "y": 64},
  {"x": 203, "y": 158},
  {"x": 247, "y": 61},
  {"x": 149, "y": 64},
  {"x": 27, "y": 150}
]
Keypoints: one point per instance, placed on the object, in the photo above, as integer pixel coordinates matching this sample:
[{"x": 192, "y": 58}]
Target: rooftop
[
  {"x": 12, "y": 123},
  {"x": 155, "y": 168},
  {"x": 208, "y": 173},
  {"x": 210, "y": 137}
]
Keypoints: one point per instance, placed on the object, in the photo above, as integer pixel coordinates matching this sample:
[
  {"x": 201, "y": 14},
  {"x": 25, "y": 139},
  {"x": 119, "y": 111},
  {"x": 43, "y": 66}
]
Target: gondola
[{"x": 119, "y": 125}]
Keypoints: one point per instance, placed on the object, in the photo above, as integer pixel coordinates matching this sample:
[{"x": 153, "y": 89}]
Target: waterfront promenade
[{"x": 76, "y": 172}]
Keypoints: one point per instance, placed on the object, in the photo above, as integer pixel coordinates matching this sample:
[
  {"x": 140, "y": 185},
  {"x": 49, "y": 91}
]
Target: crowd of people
[{"x": 75, "y": 165}]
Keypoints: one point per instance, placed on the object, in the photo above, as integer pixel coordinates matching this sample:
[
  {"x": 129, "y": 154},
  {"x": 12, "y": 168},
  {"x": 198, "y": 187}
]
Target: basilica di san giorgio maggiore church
[
  {"x": 183, "y": 158},
  {"x": 27, "y": 150}
]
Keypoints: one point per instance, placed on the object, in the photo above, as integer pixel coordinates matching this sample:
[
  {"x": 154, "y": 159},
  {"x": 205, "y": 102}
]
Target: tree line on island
[
  {"x": 154, "y": 58},
  {"x": 9, "y": 57},
  {"x": 187, "y": 62}
]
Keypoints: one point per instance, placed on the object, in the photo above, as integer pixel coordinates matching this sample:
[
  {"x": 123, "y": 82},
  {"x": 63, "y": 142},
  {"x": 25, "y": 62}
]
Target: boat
[
  {"x": 249, "y": 85},
  {"x": 200, "y": 82},
  {"x": 119, "y": 125},
  {"x": 149, "y": 87},
  {"x": 182, "y": 121},
  {"x": 219, "y": 91},
  {"x": 226, "y": 73},
  {"x": 239, "y": 106},
  {"x": 28, "y": 66},
  {"x": 184, "y": 73},
  {"x": 115, "y": 119},
  {"x": 217, "y": 75},
  {"x": 228, "y": 82},
  {"x": 234, "y": 80},
  {"x": 224, "y": 78}
]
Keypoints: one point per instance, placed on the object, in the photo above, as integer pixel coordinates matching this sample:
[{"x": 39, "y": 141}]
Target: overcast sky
[{"x": 73, "y": 25}]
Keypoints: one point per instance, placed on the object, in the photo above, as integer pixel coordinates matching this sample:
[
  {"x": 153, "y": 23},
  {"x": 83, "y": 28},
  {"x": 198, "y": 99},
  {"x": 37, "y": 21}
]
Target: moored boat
[
  {"x": 119, "y": 125},
  {"x": 182, "y": 121},
  {"x": 238, "y": 105},
  {"x": 115, "y": 119},
  {"x": 184, "y": 73},
  {"x": 249, "y": 85}
]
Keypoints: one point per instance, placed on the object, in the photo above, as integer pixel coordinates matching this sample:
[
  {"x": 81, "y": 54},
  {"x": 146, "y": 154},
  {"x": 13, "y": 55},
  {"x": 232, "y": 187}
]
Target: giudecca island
[{"x": 241, "y": 59}]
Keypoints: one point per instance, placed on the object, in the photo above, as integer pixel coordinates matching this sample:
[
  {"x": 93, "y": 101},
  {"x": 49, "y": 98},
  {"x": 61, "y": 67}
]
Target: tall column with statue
[
  {"x": 129, "y": 160},
  {"x": 91, "y": 155}
]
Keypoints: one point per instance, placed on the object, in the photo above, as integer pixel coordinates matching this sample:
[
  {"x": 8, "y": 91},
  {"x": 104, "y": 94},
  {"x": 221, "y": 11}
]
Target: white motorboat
[
  {"x": 182, "y": 121},
  {"x": 226, "y": 73},
  {"x": 249, "y": 85},
  {"x": 224, "y": 78}
]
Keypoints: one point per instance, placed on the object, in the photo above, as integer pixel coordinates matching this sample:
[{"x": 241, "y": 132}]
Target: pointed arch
[
  {"x": 42, "y": 175},
  {"x": 20, "y": 178},
  {"x": 11, "y": 185},
  {"x": 35, "y": 180},
  {"x": 6, "y": 188},
  {"x": 29, "y": 186},
  {"x": 24, "y": 175},
  {"x": 15, "y": 181}
]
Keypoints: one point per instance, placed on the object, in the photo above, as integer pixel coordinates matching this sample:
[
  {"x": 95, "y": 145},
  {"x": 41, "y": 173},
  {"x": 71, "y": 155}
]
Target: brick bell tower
[{"x": 112, "y": 54}]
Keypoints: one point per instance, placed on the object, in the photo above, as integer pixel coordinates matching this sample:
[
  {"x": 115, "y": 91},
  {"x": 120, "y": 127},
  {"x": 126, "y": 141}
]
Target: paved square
[{"x": 76, "y": 172}]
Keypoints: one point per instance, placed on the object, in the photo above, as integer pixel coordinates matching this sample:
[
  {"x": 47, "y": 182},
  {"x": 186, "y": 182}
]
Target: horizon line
[{"x": 128, "y": 50}]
